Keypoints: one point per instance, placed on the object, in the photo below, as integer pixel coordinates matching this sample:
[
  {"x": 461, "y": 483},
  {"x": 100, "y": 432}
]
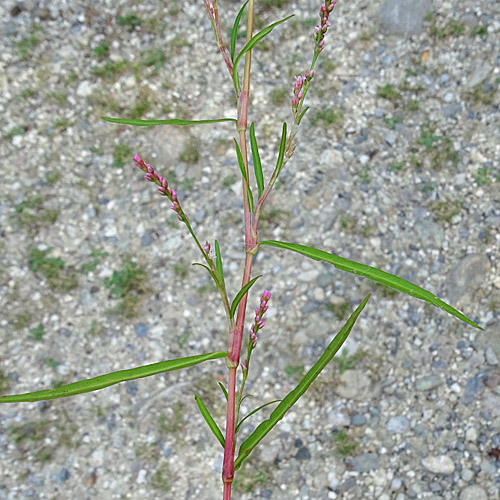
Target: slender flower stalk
[
  {"x": 213, "y": 14},
  {"x": 171, "y": 194}
]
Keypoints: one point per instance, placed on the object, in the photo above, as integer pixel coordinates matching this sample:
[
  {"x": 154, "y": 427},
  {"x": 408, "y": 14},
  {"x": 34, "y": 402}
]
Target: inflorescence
[{"x": 162, "y": 184}]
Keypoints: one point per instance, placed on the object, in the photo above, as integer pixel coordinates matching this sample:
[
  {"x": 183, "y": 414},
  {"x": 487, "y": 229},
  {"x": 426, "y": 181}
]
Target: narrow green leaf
[
  {"x": 244, "y": 175},
  {"x": 281, "y": 154},
  {"x": 102, "y": 381},
  {"x": 210, "y": 421},
  {"x": 224, "y": 390},
  {"x": 302, "y": 115},
  {"x": 173, "y": 121},
  {"x": 207, "y": 268},
  {"x": 234, "y": 32},
  {"x": 255, "y": 411},
  {"x": 218, "y": 262},
  {"x": 291, "y": 398},
  {"x": 257, "y": 166},
  {"x": 241, "y": 293},
  {"x": 251, "y": 44},
  {"x": 374, "y": 274}
]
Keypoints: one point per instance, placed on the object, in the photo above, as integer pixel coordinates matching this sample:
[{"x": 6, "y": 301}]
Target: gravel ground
[{"x": 397, "y": 167}]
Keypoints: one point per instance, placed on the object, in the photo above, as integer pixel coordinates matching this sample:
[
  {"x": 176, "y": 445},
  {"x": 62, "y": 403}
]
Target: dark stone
[{"x": 303, "y": 454}]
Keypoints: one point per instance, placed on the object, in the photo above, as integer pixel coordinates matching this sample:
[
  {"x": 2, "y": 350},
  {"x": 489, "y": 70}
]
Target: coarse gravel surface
[{"x": 397, "y": 166}]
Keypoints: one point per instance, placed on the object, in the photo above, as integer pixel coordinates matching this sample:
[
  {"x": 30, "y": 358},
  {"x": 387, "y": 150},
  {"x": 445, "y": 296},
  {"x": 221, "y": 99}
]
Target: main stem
[{"x": 236, "y": 333}]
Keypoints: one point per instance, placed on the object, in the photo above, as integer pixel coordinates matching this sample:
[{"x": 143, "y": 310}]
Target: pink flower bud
[{"x": 206, "y": 248}]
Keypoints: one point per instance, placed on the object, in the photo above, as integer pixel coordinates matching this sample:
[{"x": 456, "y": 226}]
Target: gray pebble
[
  {"x": 473, "y": 492},
  {"x": 403, "y": 17},
  {"x": 358, "y": 420},
  {"x": 397, "y": 424},
  {"x": 364, "y": 462},
  {"x": 303, "y": 454},
  {"x": 147, "y": 239},
  {"x": 141, "y": 329},
  {"x": 428, "y": 382}
]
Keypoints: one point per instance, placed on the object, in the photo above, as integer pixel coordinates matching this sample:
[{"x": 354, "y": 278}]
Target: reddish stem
[{"x": 236, "y": 333}]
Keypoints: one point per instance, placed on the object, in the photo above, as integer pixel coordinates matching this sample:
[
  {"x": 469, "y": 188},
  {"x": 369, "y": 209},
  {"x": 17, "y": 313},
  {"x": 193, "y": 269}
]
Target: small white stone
[
  {"x": 141, "y": 477},
  {"x": 471, "y": 434},
  {"x": 491, "y": 357},
  {"x": 84, "y": 89},
  {"x": 440, "y": 464}
]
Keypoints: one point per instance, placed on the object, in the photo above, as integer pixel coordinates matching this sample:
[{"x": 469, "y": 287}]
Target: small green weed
[
  {"x": 162, "y": 479},
  {"x": 247, "y": 481},
  {"x": 481, "y": 94},
  {"x": 479, "y": 30},
  {"x": 38, "y": 332},
  {"x": 96, "y": 257},
  {"x": 412, "y": 105},
  {"x": 121, "y": 153},
  {"x": 445, "y": 210},
  {"x": 344, "y": 360},
  {"x": 52, "y": 363},
  {"x": 128, "y": 279},
  {"x": 129, "y": 21},
  {"x": 102, "y": 50},
  {"x": 18, "y": 130},
  {"x": 154, "y": 58},
  {"x": 128, "y": 285},
  {"x": 326, "y": 117},
  {"x": 278, "y": 96},
  {"x": 344, "y": 444},
  {"x": 483, "y": 176},
  {"x": 389, "y": 92},
  {"x": 181, "y": 339},
  {"x": 110, "y": 70},
  {"x": 228, "y": 181},
  {"x": 294, "y": 370},
  {"x": 348, "y": 223},
  {"x": 190, "y": 154},
  {"x": 24, "y": 47},
  {"x": 392, "y": 122},
  {"x": 396, "y": 166},
  {"x": 4, "y": 382},
  {"x": 53, "y": 177},
  {"x": 53, "y": 269},
  {"x": 175, "y": 421},
  {"x": 22, "y": 320},
  {"x": 340, "y": 309}
]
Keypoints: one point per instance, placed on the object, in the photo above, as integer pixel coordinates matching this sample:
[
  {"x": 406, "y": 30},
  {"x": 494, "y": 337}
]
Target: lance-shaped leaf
[
  {"x": 102, "y": 381},
  {"x": 244, "y": 175},
  {"x": 173, "y": 121},
  {"x": 224, "y": 390},
  {"x": 210, "y": 421},
  {"x": 251, "y": 44},
  {"x": 281, "y": 153},
  {"x": 253, "y": 412},
  {"x": 374, "y": 274},
  {"x": 218, "y": 263},
  {"x": 302, "y": 115},
  {"x": 234, "y": 32},
  {"x": 241, "y": 293},
  {"x": 291, "y": 398},
  {"x": 208, "y": 269},
  {"x": 257, "y": 166}
]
